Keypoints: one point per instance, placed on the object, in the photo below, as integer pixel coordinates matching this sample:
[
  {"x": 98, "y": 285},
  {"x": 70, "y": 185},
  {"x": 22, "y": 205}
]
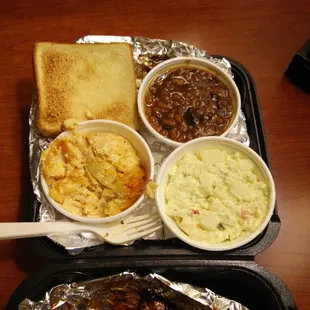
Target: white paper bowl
[
  {"x": 139, "y": 144},
  {"x": 194, "y": 146},
  {"x": 187, "y": 62}
]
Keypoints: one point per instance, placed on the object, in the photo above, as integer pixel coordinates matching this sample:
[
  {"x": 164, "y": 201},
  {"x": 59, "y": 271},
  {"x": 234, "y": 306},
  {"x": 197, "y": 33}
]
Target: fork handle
[{"x": 28, "y": 229}]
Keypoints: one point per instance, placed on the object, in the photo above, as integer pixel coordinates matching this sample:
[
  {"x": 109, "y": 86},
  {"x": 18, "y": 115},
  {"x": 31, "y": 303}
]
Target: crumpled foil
[
  {"x": 91, "y": 294},
  {"x": 147, "y": 54}
]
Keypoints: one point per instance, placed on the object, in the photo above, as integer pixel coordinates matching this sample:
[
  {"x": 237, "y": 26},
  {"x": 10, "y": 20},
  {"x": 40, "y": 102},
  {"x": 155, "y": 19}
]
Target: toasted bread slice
[{"x": 83, "y": 81}]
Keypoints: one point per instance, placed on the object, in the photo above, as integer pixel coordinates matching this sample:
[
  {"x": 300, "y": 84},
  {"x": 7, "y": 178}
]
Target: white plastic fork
[{"x": 119, "y": 232}]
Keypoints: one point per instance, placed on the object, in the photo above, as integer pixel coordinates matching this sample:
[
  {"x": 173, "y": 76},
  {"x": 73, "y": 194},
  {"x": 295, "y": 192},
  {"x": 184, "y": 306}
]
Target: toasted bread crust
[{"x": 72, "y": 79}]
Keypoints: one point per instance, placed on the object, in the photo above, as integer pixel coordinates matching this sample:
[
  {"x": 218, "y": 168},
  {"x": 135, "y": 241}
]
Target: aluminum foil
[
  {"x": 92, "y": 294},
  {"x": 147, "y": 53}
]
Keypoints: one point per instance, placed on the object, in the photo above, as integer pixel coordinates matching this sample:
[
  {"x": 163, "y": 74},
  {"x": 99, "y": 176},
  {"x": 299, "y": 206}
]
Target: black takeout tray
[
  {"x": 175, "y": 248},
  {"x": 243, "y": 281},
  {"x": 233, "y": 274}
]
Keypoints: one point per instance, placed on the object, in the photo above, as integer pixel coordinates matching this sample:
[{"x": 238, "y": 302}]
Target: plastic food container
[
  {"x": 200, "y": 144},
  {"x": 181, "y": 62},
  {"x": 243, "y": 281},
  {"x": 174, "y": 247},
  {"x": 139, "y": 144}
]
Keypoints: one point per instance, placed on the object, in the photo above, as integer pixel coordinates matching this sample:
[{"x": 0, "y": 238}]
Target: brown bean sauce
[{"x": 187, "y": 103}]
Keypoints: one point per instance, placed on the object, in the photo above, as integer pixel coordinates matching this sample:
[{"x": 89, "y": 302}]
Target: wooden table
[{"x": 262, "y": 35}]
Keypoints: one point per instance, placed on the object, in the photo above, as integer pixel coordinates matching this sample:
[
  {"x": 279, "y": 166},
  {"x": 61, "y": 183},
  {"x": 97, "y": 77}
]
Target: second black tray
[{"x": 243, "y": 281}]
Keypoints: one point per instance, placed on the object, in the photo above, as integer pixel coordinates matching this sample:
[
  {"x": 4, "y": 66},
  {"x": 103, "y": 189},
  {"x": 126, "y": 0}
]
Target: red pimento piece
[
  {"x": 195, "y": 211},
  {"x": 245, "y": 214}
]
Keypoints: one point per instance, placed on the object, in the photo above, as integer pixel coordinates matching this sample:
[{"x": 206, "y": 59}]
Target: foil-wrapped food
[{"x": 129, "y": 291}]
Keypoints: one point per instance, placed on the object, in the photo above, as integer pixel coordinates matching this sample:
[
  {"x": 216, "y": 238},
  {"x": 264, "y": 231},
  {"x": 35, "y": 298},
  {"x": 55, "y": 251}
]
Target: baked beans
[{"x": 187, "y": 103}]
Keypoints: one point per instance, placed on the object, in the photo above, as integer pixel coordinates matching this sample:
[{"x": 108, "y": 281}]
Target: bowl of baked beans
[{"x": 185, "y": 98}]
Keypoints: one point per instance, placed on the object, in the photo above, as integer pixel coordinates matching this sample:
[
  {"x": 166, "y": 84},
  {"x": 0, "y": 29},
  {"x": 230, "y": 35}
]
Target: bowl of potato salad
[{"x": 215, "y": 193}]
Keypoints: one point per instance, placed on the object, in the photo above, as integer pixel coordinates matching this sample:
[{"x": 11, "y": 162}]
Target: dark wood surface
[{"x": 262, "y": 35}]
